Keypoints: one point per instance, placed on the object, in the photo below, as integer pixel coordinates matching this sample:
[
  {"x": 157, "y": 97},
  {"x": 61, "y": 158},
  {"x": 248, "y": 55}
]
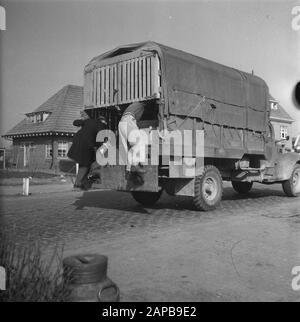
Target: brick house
[
  {"x": 43, "y": 138},
  {"x": 281, "y": 121}
]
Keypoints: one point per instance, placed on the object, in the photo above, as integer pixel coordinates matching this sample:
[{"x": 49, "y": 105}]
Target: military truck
[{"x": 229, "y": 107}]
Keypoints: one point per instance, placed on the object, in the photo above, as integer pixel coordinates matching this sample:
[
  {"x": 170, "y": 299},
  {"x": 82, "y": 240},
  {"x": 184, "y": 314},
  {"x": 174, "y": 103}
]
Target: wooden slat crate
[{"x": 136, "y": 79}]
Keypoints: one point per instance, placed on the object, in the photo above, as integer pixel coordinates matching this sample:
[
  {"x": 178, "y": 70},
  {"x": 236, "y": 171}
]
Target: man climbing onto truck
[{"x": 136, "y": 152}]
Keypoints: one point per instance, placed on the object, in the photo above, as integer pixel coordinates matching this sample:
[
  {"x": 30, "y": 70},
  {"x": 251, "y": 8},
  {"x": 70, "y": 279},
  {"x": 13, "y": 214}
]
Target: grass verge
[{"x": 31, "y": 277}]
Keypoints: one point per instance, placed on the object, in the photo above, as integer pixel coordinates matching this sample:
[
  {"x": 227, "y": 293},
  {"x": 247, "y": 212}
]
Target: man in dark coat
[{"x": 84, "y": 141}]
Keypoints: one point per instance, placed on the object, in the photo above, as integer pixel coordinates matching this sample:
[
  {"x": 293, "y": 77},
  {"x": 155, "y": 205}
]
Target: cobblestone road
[
  {"x": 66, "y": 216},
  {"x": 112, "y": 221}
]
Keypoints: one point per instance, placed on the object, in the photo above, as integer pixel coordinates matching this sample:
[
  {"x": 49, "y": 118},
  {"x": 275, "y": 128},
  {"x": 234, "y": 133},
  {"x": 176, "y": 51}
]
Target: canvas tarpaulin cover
[
  {"x": 232, "y": 98},
  {"x": 214, "y": 93}
]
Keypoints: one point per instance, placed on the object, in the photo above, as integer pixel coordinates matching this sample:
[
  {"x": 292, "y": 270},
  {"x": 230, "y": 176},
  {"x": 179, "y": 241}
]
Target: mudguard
[{"x": 284, "y": 165}]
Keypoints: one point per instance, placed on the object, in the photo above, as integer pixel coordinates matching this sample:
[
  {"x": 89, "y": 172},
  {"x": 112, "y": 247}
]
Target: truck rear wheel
[
  {"x": 242, "y": 187},
  {"x": 208, "y": 189},
  {"x": 291, "y": 187},
  {"x": 146, "y": 198}
]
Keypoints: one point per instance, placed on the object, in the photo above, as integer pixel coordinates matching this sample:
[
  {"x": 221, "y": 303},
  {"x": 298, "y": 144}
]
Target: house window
[
  {"x": 283, "y": 132},
  {"x": 38, "y": 117},
  {"x": 28, "y": 145},
  {"x": 274, "y": 105},
  {"x": 62, "y": 149},
  {"x": 48, "y": 150},
  {"x": 45, "y": 116}
]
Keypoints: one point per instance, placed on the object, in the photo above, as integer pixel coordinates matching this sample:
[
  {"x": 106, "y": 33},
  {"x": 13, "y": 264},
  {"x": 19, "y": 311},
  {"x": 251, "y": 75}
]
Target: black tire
[
  {"x": 146, "y": 198},
  {"x": 291, "y": 187},
  {"x": 208, "y": 189},
  {"x": 242, "y": 187}
]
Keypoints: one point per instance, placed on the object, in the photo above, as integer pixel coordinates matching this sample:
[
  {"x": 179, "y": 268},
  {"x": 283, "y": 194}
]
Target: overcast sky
[{"x": 48, "y": 43}]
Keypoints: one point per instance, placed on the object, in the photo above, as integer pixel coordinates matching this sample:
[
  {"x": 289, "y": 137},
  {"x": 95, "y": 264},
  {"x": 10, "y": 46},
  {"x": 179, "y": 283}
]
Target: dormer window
[
  {"x": 274, "y": 105},
  {"x": 38, "y": 117},
  {"x": 45, "y": 115}
]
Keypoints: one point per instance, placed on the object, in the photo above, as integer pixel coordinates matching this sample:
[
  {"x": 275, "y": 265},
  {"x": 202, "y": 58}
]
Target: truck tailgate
[{"x": 113, "y": 177}]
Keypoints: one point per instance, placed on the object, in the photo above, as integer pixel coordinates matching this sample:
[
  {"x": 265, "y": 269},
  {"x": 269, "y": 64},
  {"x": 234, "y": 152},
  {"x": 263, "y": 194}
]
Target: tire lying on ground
[
  {"x": 87, "y": 268},
  {"x": 291, "y": 187},
  {"x": 242, "y": 187},
  {"x": 146, "y": 198},
  {"x": 208, "y": 189}
]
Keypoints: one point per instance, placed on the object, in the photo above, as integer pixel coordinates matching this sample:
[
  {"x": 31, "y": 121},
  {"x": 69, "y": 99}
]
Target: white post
[
  {"x": 77, "y": 168},
  {"x": 25, "y": 186}
]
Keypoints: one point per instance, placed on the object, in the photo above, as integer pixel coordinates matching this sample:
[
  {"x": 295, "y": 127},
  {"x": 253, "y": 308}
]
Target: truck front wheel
[
  {"x": 208, "y": 189},
  {"x": 291, "y": 187},
  {"x": 146, "y": 198},
  {"x": 242, "y": 187}
]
